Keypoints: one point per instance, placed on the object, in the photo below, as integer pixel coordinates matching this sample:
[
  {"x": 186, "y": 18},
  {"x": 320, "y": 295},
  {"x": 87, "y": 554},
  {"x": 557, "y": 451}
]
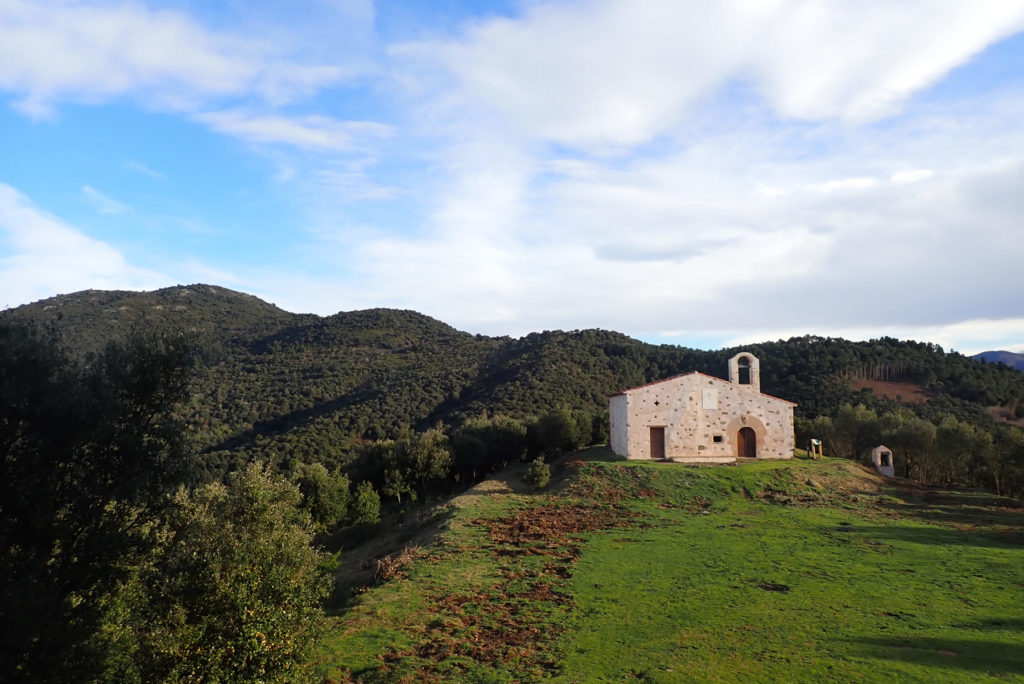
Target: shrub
[
  {"x": 538, "y": 473},
  {"x": 365, "y": 506}
]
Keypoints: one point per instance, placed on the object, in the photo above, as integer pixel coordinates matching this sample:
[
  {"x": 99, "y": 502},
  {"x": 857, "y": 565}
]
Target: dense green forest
[{"x": 355, "y": 390}]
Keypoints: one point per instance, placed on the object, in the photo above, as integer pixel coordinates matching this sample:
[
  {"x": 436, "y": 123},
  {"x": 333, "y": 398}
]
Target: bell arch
[{"x": 745, "y": 369}]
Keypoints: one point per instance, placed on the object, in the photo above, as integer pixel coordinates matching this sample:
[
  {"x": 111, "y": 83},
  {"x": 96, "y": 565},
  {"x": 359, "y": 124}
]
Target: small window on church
[{"x": 717, "y": 439}]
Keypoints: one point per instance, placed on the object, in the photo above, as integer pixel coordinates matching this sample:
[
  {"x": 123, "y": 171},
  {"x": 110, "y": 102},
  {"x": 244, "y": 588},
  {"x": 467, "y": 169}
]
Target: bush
[{"x": 538, "y": 473}]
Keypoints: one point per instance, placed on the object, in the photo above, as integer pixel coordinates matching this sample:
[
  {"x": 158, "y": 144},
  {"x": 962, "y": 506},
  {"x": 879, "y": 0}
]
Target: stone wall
[
  {"x": 618, "y": 424},
  {"x": 702, "y": 417}
]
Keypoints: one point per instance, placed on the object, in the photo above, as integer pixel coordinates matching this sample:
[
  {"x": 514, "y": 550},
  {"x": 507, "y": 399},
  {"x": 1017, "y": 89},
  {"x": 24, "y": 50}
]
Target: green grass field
[{"x": 799, "y": 571}]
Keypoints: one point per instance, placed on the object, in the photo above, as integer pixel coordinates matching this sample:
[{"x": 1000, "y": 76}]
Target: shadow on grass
[
  {"x": 994, "y": 625},
  {"x": 927, "y": 496},
  {"x": 939, "y": 536},
  {"x": 369, "y": 543},
  {"x": 991, "y": 657},
  {"x": 970, "y": 509},
  {"x": 961, "y": 515}
]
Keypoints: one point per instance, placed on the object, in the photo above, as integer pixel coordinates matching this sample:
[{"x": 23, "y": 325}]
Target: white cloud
[
  {"x": 103, "y": 203},
  {"x": 611, "y": 73},
  {"x": 139, "y": 167},
  {"x": 310, "y": 132},
  {"x": 352, "y": 184},
  {"x": 911, "y": 176},
  {"x": 45, "y": 256},
  {"x": 843, "y": 184},
  {"x": 52, "y": 51},
  {"x": 861, "y": 60}
]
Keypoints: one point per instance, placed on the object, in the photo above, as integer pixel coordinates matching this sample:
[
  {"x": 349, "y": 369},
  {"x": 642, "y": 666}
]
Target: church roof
[{"x": 683, "y": 375}]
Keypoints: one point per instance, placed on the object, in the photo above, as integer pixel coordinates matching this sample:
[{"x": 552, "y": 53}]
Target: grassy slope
[{"x": 798, "y": 571}]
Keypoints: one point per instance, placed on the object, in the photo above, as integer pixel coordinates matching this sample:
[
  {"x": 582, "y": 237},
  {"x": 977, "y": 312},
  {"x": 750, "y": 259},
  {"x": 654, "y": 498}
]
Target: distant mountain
[
  {"x": 1012, "y": 359},
  {"x": 309, "y": 387}
]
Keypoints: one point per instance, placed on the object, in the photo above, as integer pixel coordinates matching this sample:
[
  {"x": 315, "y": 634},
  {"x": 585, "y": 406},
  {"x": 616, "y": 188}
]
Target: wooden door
[
  {"x": 747, "y": 443},
  {"x": 658, "y": 443}
]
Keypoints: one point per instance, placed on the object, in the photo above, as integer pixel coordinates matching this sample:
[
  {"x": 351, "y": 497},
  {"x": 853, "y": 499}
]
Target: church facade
[{"x": 699, "y": 418}]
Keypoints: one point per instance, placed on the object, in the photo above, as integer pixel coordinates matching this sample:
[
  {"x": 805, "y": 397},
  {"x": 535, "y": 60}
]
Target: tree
[
  {"x": 89, "y": 453},
  {"x": 857, "y": 430},
  {"x": 554, "y": 433},
  {"x": 232, "y": 592},
  {"x": 325, "y": 495},
  {"x": 483, "y": 445},
  {"x": 470, "y": 456},
  {"x": 914, "y": 441},
  {"x": 1006, "y": 462},
  {"x": 365, "y": 507},
  {"x": 958, "y": 445},
  {"x": 396, "y": 482},
  {"x": 426, "y": 458}
]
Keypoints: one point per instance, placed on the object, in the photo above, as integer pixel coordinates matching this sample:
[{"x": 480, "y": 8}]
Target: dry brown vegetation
[
  {"x": 908, "y": 392},
  {"x": 498, "y": 625}
]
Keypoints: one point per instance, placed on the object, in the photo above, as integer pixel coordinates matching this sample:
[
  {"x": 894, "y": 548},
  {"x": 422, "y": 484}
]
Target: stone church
[{"x": 697, "y": 418}]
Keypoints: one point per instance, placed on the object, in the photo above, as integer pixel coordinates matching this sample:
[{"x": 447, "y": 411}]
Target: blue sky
[{"x": 698, "y": 173}]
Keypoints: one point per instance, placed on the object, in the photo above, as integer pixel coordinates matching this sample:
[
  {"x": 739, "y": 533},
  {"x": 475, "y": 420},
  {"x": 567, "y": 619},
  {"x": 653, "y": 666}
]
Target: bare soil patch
[
  {"x": 907, "y": 392},
  {"x": 1004, "y": 415}
]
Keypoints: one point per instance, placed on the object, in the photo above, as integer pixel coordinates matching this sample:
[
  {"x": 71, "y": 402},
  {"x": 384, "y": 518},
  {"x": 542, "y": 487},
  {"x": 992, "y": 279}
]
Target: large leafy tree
[
  {"x": 232, "y": 592},
  {"x": 88, "y": 452},
  {"x": 325, "y": 494}
]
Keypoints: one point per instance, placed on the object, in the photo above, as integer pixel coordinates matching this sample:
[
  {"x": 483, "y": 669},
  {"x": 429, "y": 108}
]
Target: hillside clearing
[
  {"x": 910, "y": 392},
  {"x": 785, "y": 571}
]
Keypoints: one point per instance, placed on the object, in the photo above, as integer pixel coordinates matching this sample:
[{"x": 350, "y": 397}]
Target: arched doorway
[{"x": 746, "y": 443}]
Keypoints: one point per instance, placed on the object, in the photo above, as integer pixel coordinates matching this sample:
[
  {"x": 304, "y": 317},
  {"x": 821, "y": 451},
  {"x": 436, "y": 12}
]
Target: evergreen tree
[{"x": 232, "y": 592}]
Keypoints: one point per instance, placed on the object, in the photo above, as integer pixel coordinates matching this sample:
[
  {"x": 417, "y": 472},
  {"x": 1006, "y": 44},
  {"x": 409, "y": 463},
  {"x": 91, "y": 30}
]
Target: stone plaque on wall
[{"x": 710, "y": 398}]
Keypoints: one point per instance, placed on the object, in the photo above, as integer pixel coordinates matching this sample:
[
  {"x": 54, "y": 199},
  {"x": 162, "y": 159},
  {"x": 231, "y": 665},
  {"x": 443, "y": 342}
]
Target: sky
[{"x": 699, "y": 172}]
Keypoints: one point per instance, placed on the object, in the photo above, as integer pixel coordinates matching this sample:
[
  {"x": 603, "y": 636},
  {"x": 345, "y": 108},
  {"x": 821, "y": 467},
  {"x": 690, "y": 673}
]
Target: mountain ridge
[
  {"x": 1011, "y": 359},
  {"x": 269, "y": 382}
]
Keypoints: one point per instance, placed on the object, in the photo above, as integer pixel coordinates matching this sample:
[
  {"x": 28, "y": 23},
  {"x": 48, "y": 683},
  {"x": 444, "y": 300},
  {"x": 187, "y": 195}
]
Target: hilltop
[
  {"x": 306, "y": 388},
  {"x": 799, "y": 571}
]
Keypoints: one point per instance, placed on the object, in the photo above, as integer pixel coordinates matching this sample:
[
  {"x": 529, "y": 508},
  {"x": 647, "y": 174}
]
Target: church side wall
[
  {"x": 618, "y": 424},
  {"x": 658, "y": 405}
]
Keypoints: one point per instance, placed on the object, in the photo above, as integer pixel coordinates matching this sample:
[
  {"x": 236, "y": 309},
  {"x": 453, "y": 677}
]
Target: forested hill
[{"x": 271, "y": 382}]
